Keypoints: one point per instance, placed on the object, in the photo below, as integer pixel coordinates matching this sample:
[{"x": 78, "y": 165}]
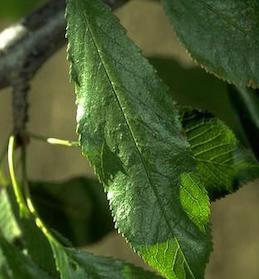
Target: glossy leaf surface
[
  {"x": 130, "y": 131},
  {"x": 70, "y": 263},
  {"x": 222, "y": 36}
]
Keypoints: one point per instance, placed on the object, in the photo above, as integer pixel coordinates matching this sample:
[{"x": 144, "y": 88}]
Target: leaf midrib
[{"x": 133, "y": 138}]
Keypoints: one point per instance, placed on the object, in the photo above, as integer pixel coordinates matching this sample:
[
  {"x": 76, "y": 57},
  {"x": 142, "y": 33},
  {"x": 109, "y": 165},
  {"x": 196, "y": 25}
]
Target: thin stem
[
  {"x": 16, "y": 187},
  {"x": 37, "y": 219},
  {"x": 55, "y": 141},
  {"x": 29, "y": 202},
  {"x": 26, "y": 206}
]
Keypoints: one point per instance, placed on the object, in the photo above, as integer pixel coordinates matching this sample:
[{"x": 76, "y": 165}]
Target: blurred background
[{"x": 235, "y": 222}]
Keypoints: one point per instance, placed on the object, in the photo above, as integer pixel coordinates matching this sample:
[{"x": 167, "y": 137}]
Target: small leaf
[
  {"x": 76, "y": 208},
  {"x": 222, "y": 162},
  {"x": 130, "y": 131},
  {"x": 220, "y": 35}
]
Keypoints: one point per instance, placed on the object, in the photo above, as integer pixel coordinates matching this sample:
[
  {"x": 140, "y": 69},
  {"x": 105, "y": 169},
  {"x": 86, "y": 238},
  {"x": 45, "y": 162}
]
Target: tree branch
[{"x": 25, "y": 46}]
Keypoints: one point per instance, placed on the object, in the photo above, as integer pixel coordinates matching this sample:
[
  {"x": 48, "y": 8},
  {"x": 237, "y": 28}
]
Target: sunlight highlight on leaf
[{"x": 130, "y": 131}]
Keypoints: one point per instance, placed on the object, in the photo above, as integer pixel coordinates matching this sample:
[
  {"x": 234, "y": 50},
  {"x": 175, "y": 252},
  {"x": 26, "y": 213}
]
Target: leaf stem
[
  {"x": 55, "y": 141},
  {"x": 26, "y": 206},
  {"x": 28, "y": 199},
  {"x": 37, "y": 218},
  {"x": 16, "y": 187}
]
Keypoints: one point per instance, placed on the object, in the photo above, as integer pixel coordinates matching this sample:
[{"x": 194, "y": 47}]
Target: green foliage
[
  {"x": 76, "y": 208},
  {"x": 160, "y": 163},
  {"x": 193, "y": 87},
  {"x": 9, "y": 227},
  {"x": 130, "y": 132},
  {"x": 220, "y": 35},
  {"x": 221, "y": 161},
  {"x": 70, "y": 263},
  {"x": 32, "y": 238},
  {"x": 78, "y": 264},
  {"x": 9, "y": 230},
  {"x": 21, "y": 266}
]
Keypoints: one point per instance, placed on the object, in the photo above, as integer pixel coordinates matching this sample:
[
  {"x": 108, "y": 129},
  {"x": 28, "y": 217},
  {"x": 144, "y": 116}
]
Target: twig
[
  {"x": 20, "y": 105},
  {"x": 24, "y": 47},
  {"x": 29, "y": 43}
]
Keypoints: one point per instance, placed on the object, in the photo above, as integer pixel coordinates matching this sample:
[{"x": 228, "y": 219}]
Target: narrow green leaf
[
  {"x": 222, "y": 162},
  {"x": 220, "y": 35},
  {"x": 22, "y": 266},
  {"x": 34, "y": 240},
  {"x": 77, "y": 264},
  {"x": 130, "y": 131},
  {"x": 76, "y": 208}
]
